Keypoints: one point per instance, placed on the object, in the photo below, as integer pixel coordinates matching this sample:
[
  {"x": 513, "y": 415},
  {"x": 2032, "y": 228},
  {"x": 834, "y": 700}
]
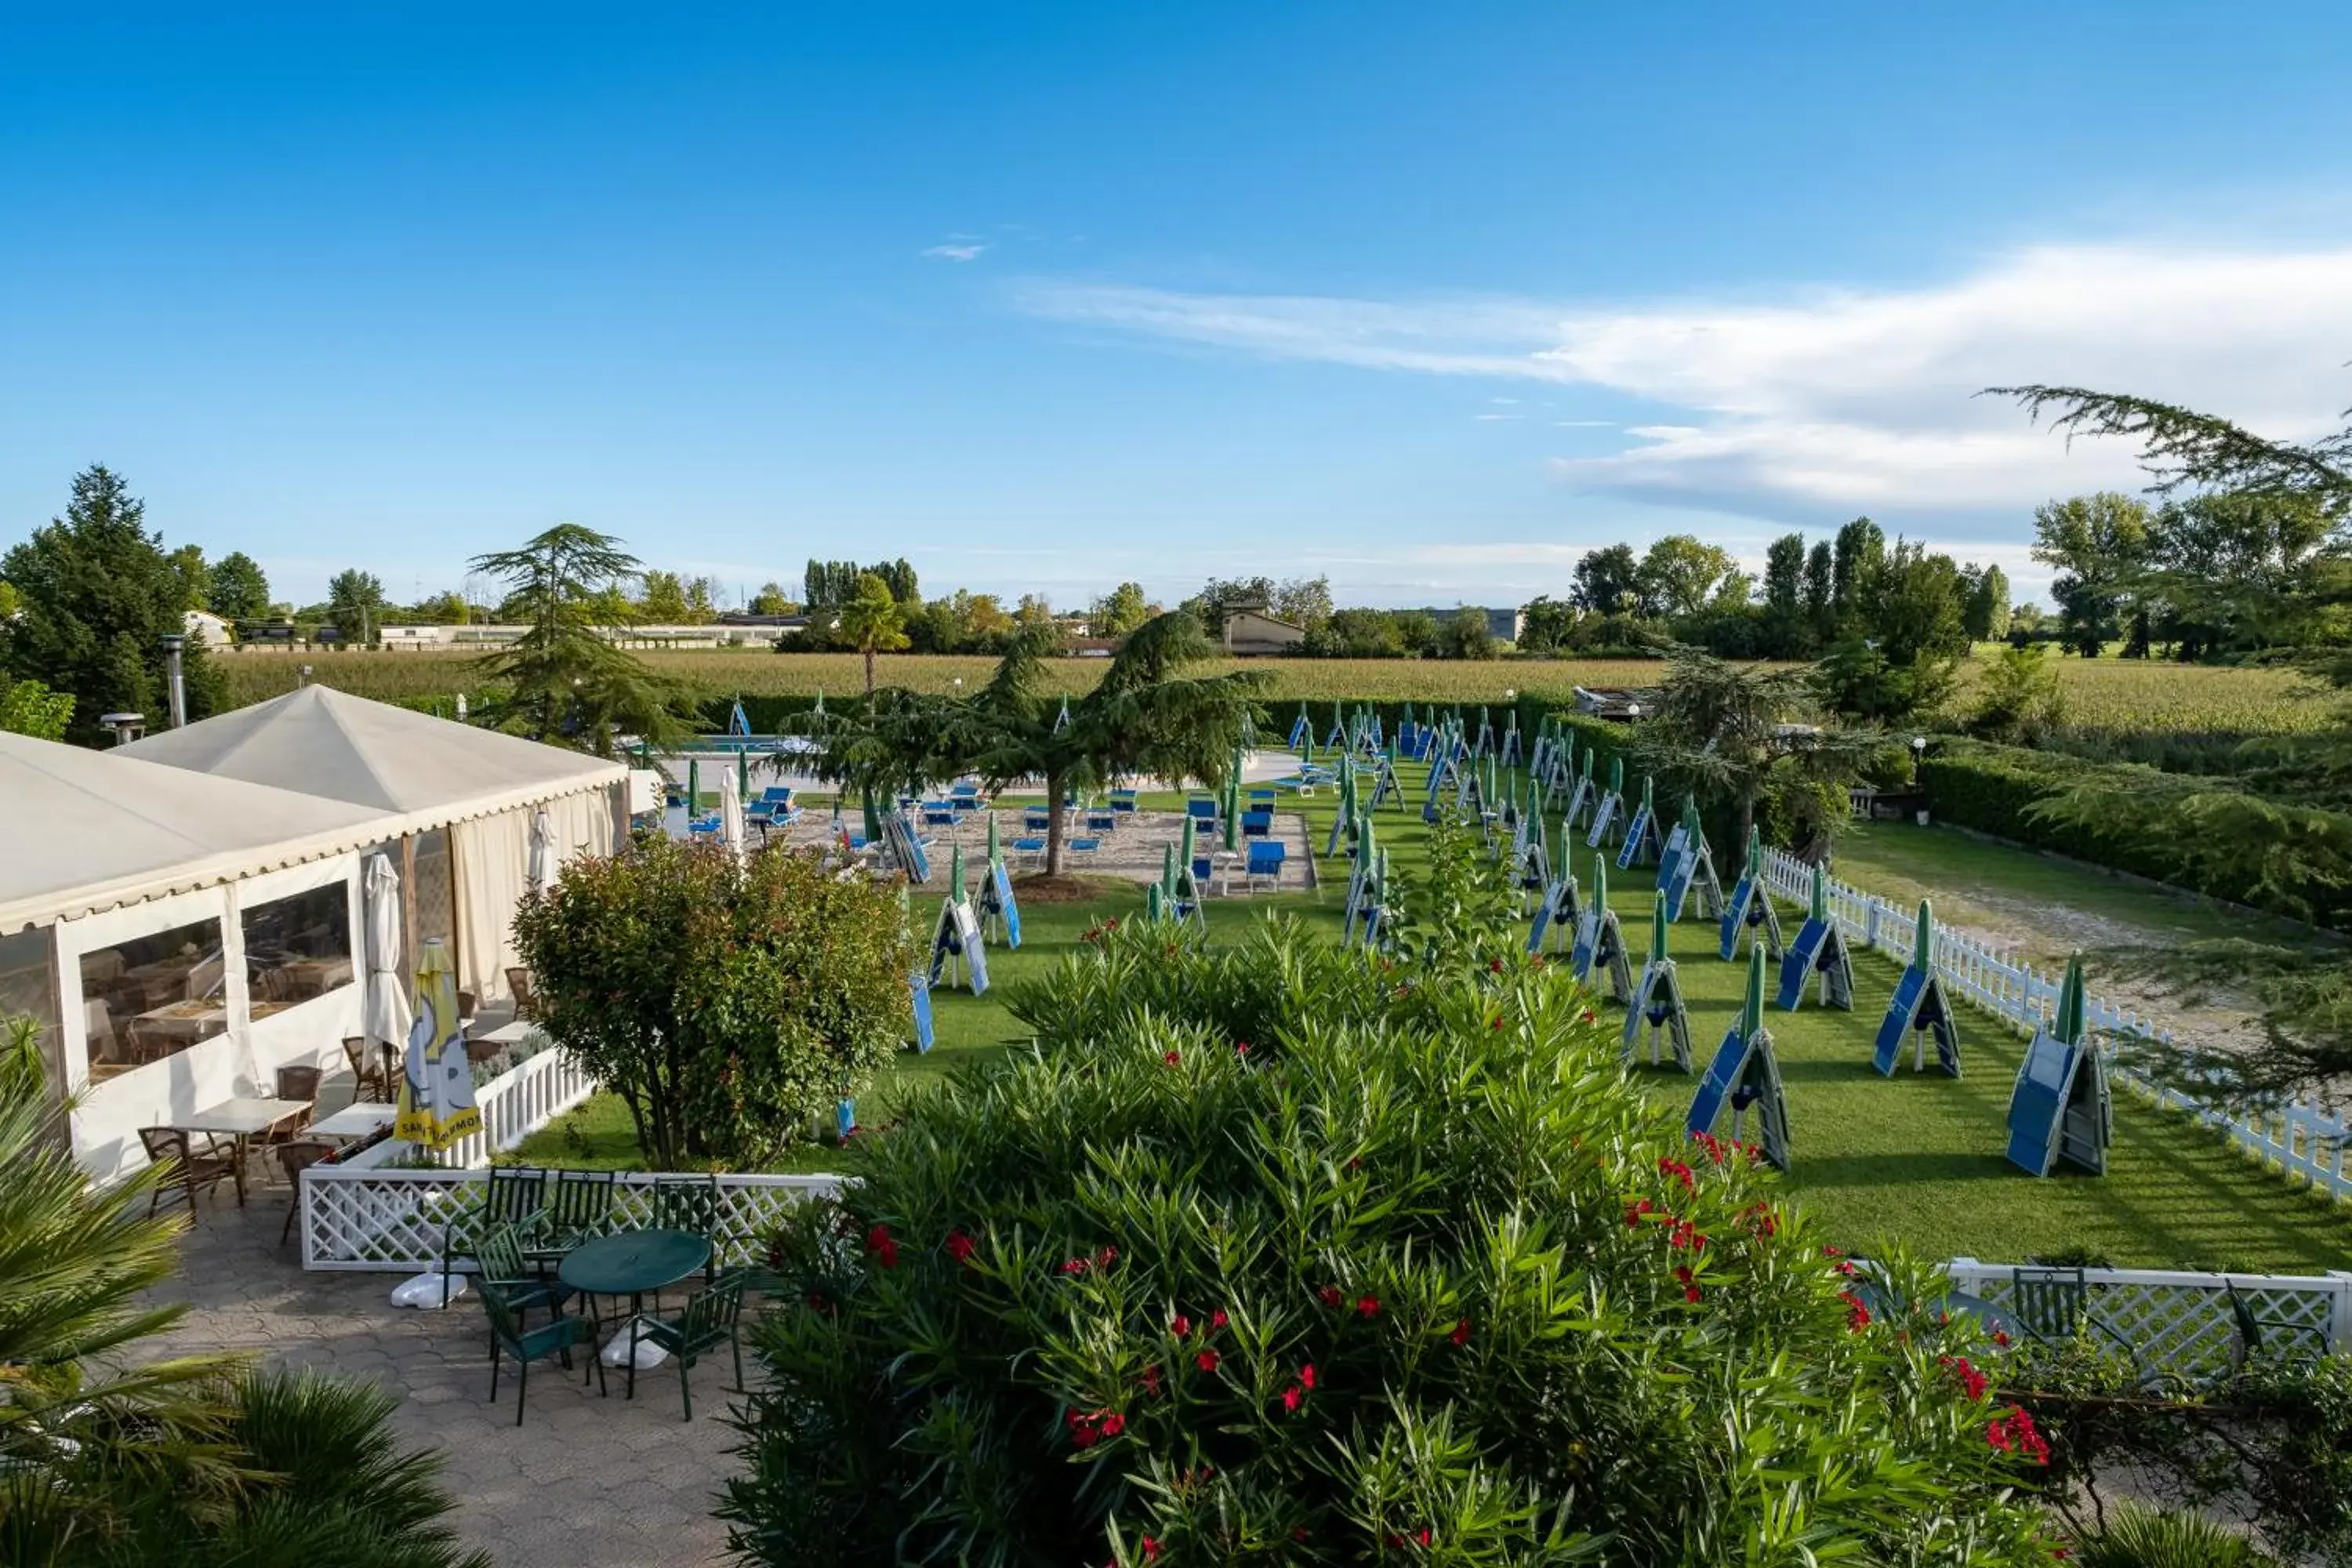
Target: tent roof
[
  {"x": 326, "y": 742},
  {"x": 89, "y": 830}
]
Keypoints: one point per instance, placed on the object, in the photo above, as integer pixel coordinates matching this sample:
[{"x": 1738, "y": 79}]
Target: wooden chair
[
  {"x": 369, "y": 1078},
  {"x": 200, "y": 1170},
  {"x": 519, "y": 982},
  {"x": 294, "y": 1158}
]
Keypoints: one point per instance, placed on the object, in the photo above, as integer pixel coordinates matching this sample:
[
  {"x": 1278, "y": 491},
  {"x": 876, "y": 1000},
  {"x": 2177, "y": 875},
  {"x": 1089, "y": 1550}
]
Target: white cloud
[
  {"x": 1498, "y": 417},
  {"x": 1848, "y": 399},
  {"x": 969, "y": 251}
]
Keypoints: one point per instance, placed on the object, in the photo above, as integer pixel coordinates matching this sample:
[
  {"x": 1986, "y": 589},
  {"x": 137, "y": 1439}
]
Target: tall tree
[
  {"x": 771, "y": 600},
  {"x": 239, "y": 592},
  {"x": 1787, "y": 634},
  {"x": 1119, "y": 612},
  {"x": 872, "y": 622},
  {"x": 1855, "y": 558},
  {"x": 1821, "y": 590},
  {"x": 661, "y": 601},
  {"x": 29, "y": 708},
  {"x": 1985, "y": 614},
  {"x": 1608, "y": 581},
  {"x": 1220, "y": 595},
  {"x": 566, "y": 683},
  {"x": 2099, "y": 545},
  {"x": 356, "y": 601},
  {"x": 196, "y": 577},
  {"x": 1466, "y": 634},
  {"x": 1683, "y": 573},
  {"x": 97, "y": 597},
  {"x": 1303, "y": 601},
  {"x": 1548, "y": 624}
]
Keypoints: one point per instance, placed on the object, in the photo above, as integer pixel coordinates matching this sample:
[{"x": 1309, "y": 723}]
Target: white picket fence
[
  {"x": 355, "y": 1218},
  {"x": 2300, "y": 1138}
]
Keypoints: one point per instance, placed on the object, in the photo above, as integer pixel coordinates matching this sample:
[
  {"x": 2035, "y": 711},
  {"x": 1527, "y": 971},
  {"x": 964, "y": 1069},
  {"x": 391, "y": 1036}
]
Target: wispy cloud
[
  {"x": 1498, "y": 417},
  {"x": 968, "y": 250},
  {"x": 1844, "y": 398}
]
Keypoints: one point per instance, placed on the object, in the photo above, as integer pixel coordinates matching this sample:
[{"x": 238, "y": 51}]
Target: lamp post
[{"x": 1918, "y": 752}]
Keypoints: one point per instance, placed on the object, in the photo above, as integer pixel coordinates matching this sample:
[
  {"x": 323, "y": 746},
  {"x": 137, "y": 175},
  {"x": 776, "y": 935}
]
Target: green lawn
[{"x": 1916, "y": 1159}]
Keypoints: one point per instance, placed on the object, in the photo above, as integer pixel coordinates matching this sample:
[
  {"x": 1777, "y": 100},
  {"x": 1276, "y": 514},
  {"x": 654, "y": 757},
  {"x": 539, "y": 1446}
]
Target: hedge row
[{"x": 1992, "y": 789}]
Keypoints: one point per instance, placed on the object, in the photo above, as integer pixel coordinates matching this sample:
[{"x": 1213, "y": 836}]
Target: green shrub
[
  {"x": 1409, "y": 1272},
  {"x": 2139, "y": 1537},
  {"x": 729, "y": 1005}
]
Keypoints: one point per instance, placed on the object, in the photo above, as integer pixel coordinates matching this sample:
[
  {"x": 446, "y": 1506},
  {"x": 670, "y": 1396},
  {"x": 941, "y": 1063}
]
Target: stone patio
[{"x": 585, "y": 1482}]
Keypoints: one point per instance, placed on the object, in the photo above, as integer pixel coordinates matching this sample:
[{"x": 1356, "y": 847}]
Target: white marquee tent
[{"x": 480, "y": 788}]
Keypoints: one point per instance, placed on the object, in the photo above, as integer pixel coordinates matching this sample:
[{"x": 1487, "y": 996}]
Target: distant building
[
  {"x": 210, "y": 629},
  {"x": 1249, "y": 629},
  {"x": 1503, "y": 626}
]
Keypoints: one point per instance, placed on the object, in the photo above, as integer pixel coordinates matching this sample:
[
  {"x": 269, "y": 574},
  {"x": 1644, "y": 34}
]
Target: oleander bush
[{"x": 1407, "y": 1272}]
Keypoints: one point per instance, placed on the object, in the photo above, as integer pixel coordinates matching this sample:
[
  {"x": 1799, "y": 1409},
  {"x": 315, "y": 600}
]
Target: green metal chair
[
  {"x": 2254, "y": 1331},
  {"x": 709, "y": 1321},
  {"x": 2053, "y": 1305},
  {"x": 501, "y": 1269},
  {"x": 579, "y": 1208},
  {"x": 693, "y": 1203},
  {"x": 513, "y": 1196},
  {"x": 553, "y": 1338}
]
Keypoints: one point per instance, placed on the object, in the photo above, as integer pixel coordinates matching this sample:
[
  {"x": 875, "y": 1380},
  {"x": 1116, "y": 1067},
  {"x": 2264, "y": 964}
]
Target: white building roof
[
  {"x": 326, "y": 742},
  {"x": 89, "y": 830}
]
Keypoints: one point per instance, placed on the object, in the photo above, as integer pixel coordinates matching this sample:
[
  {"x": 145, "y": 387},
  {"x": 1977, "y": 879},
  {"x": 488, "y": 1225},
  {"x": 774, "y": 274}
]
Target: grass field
[
  {"x": 1917, "y": 1158},
  {"x": 2107, "y": 694}
]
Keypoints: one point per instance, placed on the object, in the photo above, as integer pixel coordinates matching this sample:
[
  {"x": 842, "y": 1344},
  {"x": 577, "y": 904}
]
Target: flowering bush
[{"x": 1289, "y": 1251}]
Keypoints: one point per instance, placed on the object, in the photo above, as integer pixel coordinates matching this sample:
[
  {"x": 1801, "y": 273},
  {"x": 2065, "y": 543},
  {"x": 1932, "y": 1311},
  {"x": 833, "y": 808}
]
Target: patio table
[
  {"x": 240, "y": 1120},
  {"x": 630, "y": 1263}
]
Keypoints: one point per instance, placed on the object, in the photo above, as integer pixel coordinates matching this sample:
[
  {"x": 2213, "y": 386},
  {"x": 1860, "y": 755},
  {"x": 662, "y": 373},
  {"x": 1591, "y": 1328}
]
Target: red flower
[
  {"x": 1495, "y": 964},
  {"x": 1972, "y": 1382},
  {"x": 1074, "y": 1266},
  {"x": 1107, "y": 1257},
  {"x": 1329, "y": 1295},
  {"x": 1152, "y": 1379},
  {"x": 1299, "y": 1532},
  {"x": 1240, "y": 1047},
  {"x": 2000, "y": 1338},
  {"x": 1181, "y": 1326},
  {"x": 878, "y": 1240},
  {"x": 1461, "y": 1334},
  {"x": 1495, "y": 1024},
  {"x": 1217, "y": 1320},
  {"x": 1172, "y": 1059},
  {"x": 2014, "y": 1433},
  {"x": 1291, "y": 1400},
  {"x": 1082, "y": 1436},
  {"x": 1585, "y": 1016},
  {"x": 1113, "y": 1424},
  {"x": 1206, "y": 1361},
  {"x": 960, "y": 1247},
  {"x": 1150, "y": 1549},
  {"x": 1422, "y": 1536},
  {"x": 1858, "y": 1317},
  {"x": 1690, "y": 1293},
  {"x": 1368, "y": 1306},
  {"x": 1307, "y": 1375}
]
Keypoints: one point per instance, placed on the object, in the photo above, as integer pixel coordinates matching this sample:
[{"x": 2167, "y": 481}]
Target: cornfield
[{"x": 2107, "y": 695}]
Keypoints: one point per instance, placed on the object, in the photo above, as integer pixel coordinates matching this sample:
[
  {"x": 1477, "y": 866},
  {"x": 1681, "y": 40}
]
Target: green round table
[{"x": 630, "y": 1263}]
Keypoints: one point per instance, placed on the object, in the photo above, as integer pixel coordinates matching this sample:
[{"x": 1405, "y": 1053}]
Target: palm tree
[
  {"x": 873, "y": 622},
  {"x": 1145, "y": 718},
  {"x": 105, "y": 1463}
]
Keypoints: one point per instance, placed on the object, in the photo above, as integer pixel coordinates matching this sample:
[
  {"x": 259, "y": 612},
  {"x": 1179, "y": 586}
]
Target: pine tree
[{"x": 98, "y": 596}]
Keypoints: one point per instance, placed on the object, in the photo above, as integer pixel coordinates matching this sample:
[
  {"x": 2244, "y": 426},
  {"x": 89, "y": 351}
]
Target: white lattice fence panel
[
  {"x": 2180, "y": 1323},
  {"x": 393, "y": 1220}
]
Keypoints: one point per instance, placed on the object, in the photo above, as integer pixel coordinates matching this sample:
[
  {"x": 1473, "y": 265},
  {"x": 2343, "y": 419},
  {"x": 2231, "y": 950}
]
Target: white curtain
[{"x": 493, "y": 862}]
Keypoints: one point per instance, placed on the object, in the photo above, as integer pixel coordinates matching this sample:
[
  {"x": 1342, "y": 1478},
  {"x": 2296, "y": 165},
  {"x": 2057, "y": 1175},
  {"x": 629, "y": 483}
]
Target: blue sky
[{"x": 1430, "y": 298}]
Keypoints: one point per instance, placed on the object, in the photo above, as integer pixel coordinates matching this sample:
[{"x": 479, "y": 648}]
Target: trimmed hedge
[{"x": 1992, "y": 789}]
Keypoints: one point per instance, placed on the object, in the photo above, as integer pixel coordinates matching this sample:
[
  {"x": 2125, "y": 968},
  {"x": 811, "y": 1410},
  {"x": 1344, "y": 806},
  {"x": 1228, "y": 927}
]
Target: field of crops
[
  {"x": 2110, "y": 695},
  {"x": 254, "y": 677}
]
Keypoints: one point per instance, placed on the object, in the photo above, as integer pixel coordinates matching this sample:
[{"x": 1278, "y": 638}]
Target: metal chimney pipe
[{"x": 176, "y": 677}]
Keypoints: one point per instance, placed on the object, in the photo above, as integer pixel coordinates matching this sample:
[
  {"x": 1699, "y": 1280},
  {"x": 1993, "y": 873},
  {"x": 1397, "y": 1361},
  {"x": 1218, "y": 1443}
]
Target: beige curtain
[{"x": 493, "y": 859}]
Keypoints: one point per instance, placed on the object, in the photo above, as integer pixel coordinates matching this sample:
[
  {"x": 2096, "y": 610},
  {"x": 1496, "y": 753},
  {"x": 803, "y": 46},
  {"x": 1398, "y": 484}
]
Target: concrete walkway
[{"x": 585, "y": 1482}]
